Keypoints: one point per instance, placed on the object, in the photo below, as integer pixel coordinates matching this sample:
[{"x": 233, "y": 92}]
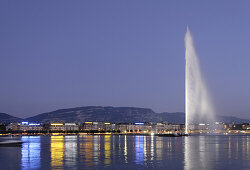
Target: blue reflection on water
[
  {"x": 134, "y": 152},
  {"x": 31, "y": 152},
  {"x": 139, "y": 150}
]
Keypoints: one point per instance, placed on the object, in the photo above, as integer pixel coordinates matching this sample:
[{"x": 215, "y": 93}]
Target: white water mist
[{"x": 198, "y": 105}]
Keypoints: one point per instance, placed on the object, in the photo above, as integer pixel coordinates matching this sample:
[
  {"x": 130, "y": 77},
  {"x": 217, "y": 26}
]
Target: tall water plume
[{"x": 198, "y": 105}]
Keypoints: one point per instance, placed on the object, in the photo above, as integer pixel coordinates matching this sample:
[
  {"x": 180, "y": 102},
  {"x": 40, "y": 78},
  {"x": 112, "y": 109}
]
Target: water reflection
[
  {"x": 229, "y": 147},
  {"x": 114, "y": 152},
  {"x": 248, "y": 148},
  {"x": 70, "y": 150},
  {"x": 31, "y": 158},
  {"x": 211, "y": 152},
  {"x": 145, "y": 148},
  {"x": 198, "y": 152},
  {"x": 125, "y": 149},
  {"x": 107, "y": 149},
  {"x": 86, "y": 150},
  {"x": 57, "y": 151},
  {"x": 96, "y": 149},
  {"x": 139, "y": 149},
  {"x": 159, "y": 147}
]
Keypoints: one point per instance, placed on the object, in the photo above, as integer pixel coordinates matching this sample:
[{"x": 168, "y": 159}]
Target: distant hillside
[
  {"x": 229, "y": 119},
  {"x": 118, "y": 115},
  {"x": 111, "y": 114},
  {"x": 98, "y": 113},
  {"x": 5, "y": 118},
  {"x": 178, "y": 117}
]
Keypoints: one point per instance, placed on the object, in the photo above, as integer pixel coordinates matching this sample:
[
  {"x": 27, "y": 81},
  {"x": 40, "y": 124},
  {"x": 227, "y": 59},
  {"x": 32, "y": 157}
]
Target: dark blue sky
[{"x": 60, "y": 54}]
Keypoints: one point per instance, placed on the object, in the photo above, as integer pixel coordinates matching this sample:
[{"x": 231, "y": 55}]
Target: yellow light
[
  {"x": 56, "y": 124},
  {"x": 107, "y": 123},
  {"x": 88, "y": 122},
  {"x": 107, "y": 153},
  {"x": 57, "y": 151}
]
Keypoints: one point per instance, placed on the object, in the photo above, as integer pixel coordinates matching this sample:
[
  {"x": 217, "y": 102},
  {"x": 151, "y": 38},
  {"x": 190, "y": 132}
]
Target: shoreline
[{"x": 122, "y": 134}]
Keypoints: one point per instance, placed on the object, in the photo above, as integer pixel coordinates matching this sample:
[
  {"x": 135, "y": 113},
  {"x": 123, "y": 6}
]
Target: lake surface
[{"x": 128, "y": 152}]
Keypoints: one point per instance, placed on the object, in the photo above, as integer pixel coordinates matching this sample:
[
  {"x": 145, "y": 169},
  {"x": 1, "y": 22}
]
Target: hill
[
  {"x": 98, "y": 113},
  {"x": 110, "y": 114},
  {"x": 118, "y": 115},
  {"x": 6, "y": 118}
]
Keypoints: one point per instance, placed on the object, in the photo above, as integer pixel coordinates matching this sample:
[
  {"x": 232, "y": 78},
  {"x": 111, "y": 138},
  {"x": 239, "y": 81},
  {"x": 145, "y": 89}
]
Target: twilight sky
[{"x": 60, "y": 54}]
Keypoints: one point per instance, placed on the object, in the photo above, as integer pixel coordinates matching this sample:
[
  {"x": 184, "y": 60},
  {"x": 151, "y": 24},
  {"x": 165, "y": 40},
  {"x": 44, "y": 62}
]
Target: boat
[
  {"x": 168, "y": 135},
  {"x": 12, "y": 143},
  {"x": 172, "y": 135}
]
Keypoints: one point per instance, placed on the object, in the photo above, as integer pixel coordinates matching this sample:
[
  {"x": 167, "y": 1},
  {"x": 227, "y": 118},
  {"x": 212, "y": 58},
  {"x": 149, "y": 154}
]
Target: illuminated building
[
  {"x": 13, "y": 126},
  {"x": 88, "y": 126},
  {"x": 71, "y": 127},
  {"x": 64, "y": 127},
  {"x": 26, "y": 126},
  {"x": 57, "y": 127},
  {"x": 106, "y": 126},
  {"x": 136, "y": 127}
]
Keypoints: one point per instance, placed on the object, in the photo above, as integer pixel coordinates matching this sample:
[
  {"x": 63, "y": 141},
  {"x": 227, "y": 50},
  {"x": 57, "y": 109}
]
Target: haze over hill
[{"x": 110, "y": 114}]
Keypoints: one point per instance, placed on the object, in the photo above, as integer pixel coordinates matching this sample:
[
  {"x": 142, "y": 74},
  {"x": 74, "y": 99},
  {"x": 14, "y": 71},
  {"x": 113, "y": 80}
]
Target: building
[
  {"x": 71, "y": 127},
  {"x": 13, "y": 127},
  {"x": 57, "y": 127},
  {"x": 26, "y": 126},
  {"x": 2, "y": 128},
  {"x": 133, "y": 127}
]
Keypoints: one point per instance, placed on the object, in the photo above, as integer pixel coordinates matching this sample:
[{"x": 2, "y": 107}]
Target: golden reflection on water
[
  {"x": 88, "y": 150},
  {"x": 107, "y": 144},
  {"x": 57, "y": 151},
  {"x": 200, "y": 152}
]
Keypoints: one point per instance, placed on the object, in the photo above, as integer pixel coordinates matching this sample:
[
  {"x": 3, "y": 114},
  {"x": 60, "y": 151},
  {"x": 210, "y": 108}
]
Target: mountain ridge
[
  {"x": 110, "y": 114},
  {"x": 6, "y": 118}
]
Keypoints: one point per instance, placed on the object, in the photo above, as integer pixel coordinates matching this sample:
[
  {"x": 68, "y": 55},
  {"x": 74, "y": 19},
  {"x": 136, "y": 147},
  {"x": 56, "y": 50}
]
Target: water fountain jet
[{"x": 198, "y": 105}]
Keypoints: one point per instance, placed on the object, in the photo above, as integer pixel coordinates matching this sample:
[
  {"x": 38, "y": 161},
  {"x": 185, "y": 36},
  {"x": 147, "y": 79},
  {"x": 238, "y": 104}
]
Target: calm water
[{"x": 128, "y": 152}]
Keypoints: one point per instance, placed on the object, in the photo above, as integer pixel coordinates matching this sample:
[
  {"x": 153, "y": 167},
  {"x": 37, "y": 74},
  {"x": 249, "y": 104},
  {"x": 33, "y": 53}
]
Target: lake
[{"x": 128, "y": 152}]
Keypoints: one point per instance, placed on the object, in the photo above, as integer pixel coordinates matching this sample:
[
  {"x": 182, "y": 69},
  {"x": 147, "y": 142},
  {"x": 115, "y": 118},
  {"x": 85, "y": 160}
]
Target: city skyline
[{"x": 63, "y": 55}]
